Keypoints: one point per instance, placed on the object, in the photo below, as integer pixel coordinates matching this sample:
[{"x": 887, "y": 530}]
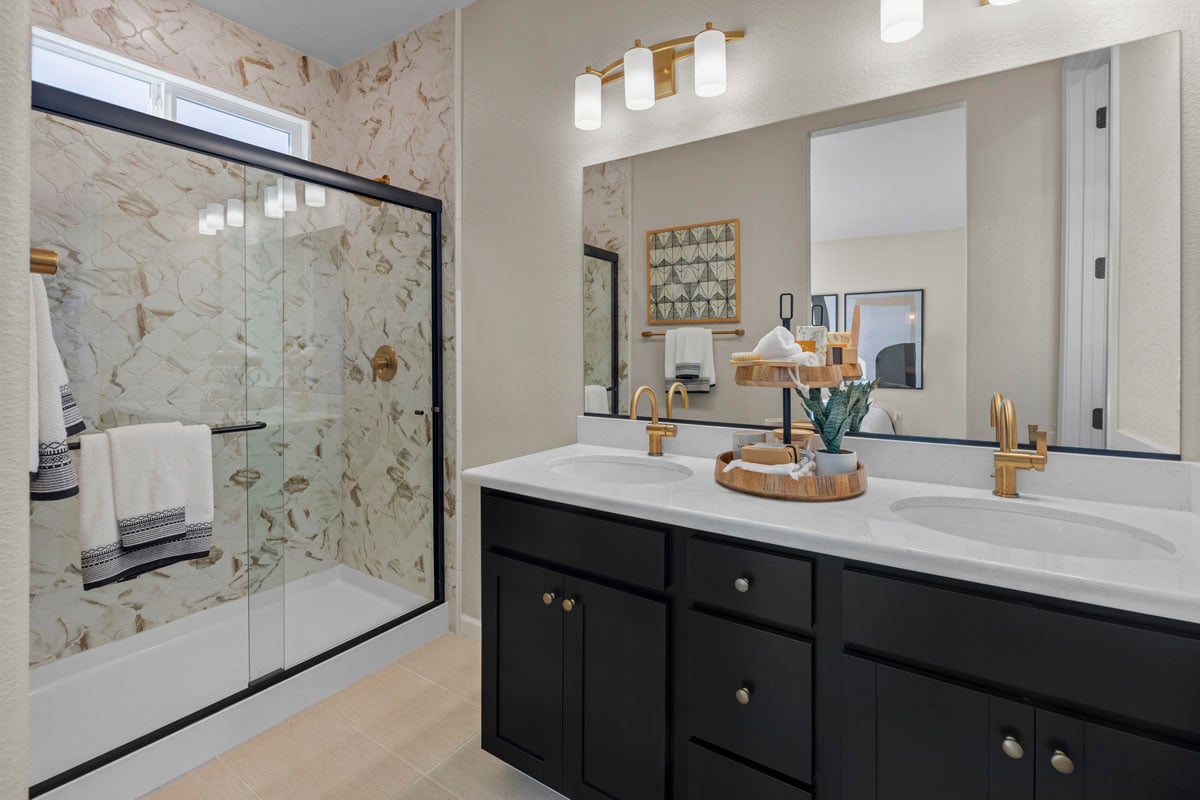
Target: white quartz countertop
[{"x": 866, "y": 529}]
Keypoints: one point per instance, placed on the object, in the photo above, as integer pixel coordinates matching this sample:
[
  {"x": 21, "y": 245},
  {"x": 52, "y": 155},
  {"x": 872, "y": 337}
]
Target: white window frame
[{"x": 167, "y": 88}]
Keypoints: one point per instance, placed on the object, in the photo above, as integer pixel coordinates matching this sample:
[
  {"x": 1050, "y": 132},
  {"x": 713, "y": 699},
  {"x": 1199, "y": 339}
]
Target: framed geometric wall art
[{"x": 693, "y": 274}]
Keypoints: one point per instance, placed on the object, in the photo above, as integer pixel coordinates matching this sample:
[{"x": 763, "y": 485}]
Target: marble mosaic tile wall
[
  {"x": 150, "y": 318},
  {"x": 398, "y": 101},
  {"x": 389, "y": 112},
  {"x": 606, "y": 224}
]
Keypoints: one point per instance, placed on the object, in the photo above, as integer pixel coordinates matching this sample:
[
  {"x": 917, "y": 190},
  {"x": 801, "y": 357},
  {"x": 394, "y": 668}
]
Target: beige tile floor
[{"x": 408, "y": 732}]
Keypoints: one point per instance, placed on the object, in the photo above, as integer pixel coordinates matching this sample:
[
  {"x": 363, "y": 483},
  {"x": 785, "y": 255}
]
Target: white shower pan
[{"x": 87, "y": 704}]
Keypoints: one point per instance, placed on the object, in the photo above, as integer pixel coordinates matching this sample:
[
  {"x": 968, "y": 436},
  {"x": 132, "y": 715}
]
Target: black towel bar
[{"x": 216, "y": 431}]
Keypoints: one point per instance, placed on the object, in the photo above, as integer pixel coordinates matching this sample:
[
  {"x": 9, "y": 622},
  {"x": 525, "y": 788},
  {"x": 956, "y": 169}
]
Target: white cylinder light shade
[
  {"x": 287, "y": 190},
  {"x": 202, "y": 226},
  {"x": 710, "y": 63},
  {"x": 273, "y": 202},
  {"x": 216, "y": 216},
  {"x": 235, "y": 213},
  {"x": 639, "y": 78},
  {"x": 314, "y": 196},
  {"x": 587, "y": 101},
  {"x": 900, "y": 20}
]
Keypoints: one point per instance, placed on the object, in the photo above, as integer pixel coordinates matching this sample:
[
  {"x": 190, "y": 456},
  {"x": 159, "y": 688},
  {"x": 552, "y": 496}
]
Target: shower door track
[{"x": 61, "y": 103}]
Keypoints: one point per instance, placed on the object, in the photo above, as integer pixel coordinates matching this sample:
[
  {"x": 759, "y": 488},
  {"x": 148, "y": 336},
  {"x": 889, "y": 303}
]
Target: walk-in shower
[{"x": 208, "y": 281}]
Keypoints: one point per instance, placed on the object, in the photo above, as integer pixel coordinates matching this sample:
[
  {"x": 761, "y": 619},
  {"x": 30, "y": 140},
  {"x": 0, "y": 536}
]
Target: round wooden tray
[
  {"x": 810, "y": 488},
  {"x": 777, "y": 374}
]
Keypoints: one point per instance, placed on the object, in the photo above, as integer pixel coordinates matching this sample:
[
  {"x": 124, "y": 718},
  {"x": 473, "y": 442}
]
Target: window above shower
[{"x": 77, "y": 67}]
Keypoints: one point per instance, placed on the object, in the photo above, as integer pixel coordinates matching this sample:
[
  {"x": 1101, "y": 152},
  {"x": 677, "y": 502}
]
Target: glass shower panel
[
  {"x": 358, "y": 486},
  {"x": 148, "y": 310},
  {"x": 265, "y": 483}
]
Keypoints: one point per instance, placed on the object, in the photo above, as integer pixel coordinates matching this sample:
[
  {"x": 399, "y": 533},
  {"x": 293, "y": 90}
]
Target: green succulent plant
[{"x": 838, "y": 414}]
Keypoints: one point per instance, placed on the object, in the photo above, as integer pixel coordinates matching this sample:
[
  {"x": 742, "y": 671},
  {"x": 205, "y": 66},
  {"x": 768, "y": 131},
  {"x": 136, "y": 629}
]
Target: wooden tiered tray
[
  {"x": 777, "y": 374},
  {"x": 810, "y": 488}
]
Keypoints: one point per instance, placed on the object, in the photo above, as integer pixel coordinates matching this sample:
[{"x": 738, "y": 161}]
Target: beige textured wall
[
  {"x": 936, "y": 262},
  {"x": 761, "y": 178},
  {"x": 523, "y": 158},
  {"x": 14, "y": 399},
  {"x": 1148, "y": 290}
]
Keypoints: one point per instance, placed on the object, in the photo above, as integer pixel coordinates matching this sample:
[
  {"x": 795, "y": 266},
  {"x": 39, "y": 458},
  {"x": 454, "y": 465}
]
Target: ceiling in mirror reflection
[{"x": 1035, "y": 211}]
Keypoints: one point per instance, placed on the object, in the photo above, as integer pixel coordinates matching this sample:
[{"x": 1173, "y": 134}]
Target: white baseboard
[
  {"x": 470, "y": 627},
  {"x": 161, "y": 762}
]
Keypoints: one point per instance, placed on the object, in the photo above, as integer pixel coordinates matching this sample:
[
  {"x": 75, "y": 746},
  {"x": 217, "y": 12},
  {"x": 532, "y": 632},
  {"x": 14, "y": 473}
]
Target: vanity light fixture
[
  {"x": 235, "y": 213},
  {"x": 287, "y": 191},
  {"x": 273, "y": 202},
  {"x": 202, "y": 226},
  {"x": 314, "y": 195},
  {"x": 649, "y": 73},
  {"x": 900, "y": 20},
  {"x": 216, "y": 216}
]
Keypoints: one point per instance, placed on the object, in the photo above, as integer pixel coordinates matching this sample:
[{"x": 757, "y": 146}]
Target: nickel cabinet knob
[
  {"x": 1062, "y": 763},
  {"x": 1012, "y": 748},
  {"x": 548, "y": 598},
  {"x": 742, "y": 585},
  {"x": 742, "y": 695},
  {"x": 568, "y": 604}
]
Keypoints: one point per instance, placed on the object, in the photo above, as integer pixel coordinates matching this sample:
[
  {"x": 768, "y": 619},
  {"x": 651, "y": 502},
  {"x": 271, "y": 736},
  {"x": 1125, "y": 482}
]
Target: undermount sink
[
  {"x": 1025, "y": 526},
  {"x": 619, "y": 469}
]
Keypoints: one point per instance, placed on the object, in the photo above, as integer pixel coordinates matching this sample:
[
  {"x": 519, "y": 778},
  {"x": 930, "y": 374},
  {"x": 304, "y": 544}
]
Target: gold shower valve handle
[{"x": 384, "y": 363}]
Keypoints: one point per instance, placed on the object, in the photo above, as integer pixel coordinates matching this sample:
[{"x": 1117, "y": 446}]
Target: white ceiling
[
  {"x": 334, "y": 31},
  {"x": 903, "y": 176}
]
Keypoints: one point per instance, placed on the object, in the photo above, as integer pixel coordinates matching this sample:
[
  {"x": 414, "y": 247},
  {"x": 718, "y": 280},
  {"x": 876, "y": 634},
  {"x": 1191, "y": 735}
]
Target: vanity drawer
[
  {"x": 774, "y": 726},
  {"x": 751, "y": 583},
  {"x": 596, "y": 544},
  {"x": 1029, "y": 650},
  {"x": 715, "y": 777}
]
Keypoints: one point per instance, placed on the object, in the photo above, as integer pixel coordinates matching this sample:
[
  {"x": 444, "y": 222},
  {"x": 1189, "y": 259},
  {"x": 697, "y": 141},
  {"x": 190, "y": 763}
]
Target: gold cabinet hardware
[
  {"x": 384, "y": 363},
  {"x": 568, "y": 604},
  {"x": 655, "y": 430},
  {"x": 1008, "y": 459},
  {"x": 1062, "y": 763},
  {"x": 671, "y": 394},
  {"x": 742, "y": 695},
  {"x": 742, "y": 585},
  {"x": 548, "y": 598},
  {"x": 1012, "y": 748}
]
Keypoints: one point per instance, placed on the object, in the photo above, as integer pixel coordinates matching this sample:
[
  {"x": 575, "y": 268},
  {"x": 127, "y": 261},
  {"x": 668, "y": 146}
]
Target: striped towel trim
[
  {"x": 72, "y": 416},
  {"x": 113, "y": 563},
  {"x": 55, "y": 478},
  {"x": 157, "y": 526}
]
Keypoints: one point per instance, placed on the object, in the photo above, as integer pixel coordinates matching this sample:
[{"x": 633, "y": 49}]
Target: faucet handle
[{"x": 1037, "y": 438}]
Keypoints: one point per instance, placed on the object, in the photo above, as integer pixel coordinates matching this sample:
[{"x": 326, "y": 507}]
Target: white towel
[
  {"x": 595, "y": 399},
  {"x": 149, "y": 482},
  {"x": 52, "y": 473},
  {"x": 103, "y": 559},
  {"x": 197, "y": 453},
  {"x": 688, "y": 357}
]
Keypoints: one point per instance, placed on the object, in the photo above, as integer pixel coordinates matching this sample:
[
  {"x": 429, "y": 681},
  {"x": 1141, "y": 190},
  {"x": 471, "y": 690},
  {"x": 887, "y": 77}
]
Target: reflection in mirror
[
  {"x": 601, "y": 310},
  {"x": 1016, "y": 232}
]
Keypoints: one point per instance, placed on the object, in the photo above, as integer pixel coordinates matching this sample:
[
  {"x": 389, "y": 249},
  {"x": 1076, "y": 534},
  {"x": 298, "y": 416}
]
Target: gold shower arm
[{"x": 43, "y": 262}]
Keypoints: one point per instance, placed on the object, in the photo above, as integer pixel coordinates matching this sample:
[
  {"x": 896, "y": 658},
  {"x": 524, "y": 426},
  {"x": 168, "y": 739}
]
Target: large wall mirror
[{"x": 1017, "y": 232}]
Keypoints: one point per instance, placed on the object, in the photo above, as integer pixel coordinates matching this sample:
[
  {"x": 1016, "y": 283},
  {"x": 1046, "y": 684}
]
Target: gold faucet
[
  {"x": 655, "y": 430},
  {"x": 1008, "y": 459},
  {"x": 671, "y": 393}
]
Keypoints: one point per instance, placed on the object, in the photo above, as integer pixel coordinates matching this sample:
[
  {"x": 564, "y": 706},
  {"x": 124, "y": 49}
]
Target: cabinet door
[
  {"x": 1106, "y": 764},
  {"x": 910, "y": 737},
  {"x": 522, "y": 666},
  {"x": 615, "y": 704}
]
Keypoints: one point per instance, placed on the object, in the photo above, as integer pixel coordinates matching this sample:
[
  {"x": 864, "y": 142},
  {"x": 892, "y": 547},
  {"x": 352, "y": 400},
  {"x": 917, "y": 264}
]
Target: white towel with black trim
[
  {"x": 149, "y": 478},
  {"x": 688, "y": 358},
  {"x": 198, "y": 522},
  {"x": 103, "y": 559},
  {"x": 53, "y": 414}
]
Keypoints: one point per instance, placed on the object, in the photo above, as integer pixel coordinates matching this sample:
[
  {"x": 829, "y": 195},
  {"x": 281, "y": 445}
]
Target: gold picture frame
[{"x": 694, "y": 274}]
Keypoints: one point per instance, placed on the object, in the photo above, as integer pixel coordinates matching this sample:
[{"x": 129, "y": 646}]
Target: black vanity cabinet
[
  {"x": 625, "y": 660},
  {"x": 575, "y": 668},
  {"x": 908, "y": 734}
]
